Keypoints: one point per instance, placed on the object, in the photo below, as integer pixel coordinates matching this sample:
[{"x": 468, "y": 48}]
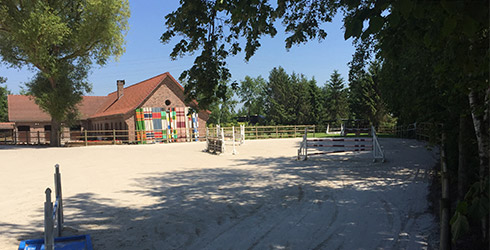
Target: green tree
[
  {"x": 281, "y": 102},
  {"x": 4, "y": 92},
  {"x": 336, "y": 103},
  {"x": 315, "y": 115},
  {"x": 365, "y": 95},
  {"x": 61, "y": 39},
  {"x": 223, "y": 110},
  {"x": 357, "y": 76},
  {"x": 252, "y": 94},
  {"x": 300, "y": 89}
]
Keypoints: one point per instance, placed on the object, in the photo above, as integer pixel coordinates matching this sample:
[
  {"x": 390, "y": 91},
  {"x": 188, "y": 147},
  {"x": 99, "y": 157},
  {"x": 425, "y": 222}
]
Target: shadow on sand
[{"x": 277, "y": 203}]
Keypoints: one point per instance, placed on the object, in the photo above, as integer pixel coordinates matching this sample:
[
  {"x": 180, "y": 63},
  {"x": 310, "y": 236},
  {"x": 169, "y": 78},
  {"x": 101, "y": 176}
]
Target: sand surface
[{"x": 177, "y": 197}]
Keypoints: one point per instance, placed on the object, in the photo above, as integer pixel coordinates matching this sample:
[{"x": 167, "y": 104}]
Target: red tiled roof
[
  {"x": 22, "y": 108},
  {"x": 133, "y": 96}
]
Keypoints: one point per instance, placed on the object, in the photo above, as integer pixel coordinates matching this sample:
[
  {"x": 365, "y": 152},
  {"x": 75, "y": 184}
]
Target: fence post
[
  {"x": 256, "y": 133},
  {"x": 277, "y": 133},
  {"x": 15, "y": 137},
  {"x": 114, "y": 136},
  {"x": 207, "y": 137},
  {"x": 314, "y": 130},
  {"x": 294, "y": 131},
  {"x": 85, "y": 137},
  {"x": 38, "y": 138}
]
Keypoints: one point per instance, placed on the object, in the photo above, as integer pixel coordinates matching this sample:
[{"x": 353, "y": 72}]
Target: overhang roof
[
  {"x": 22, "y": 108},
  {"x": 7, "y": 125}
]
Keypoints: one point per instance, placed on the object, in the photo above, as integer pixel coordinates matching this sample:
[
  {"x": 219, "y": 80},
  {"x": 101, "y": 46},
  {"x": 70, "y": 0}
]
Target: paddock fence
[
  {"x": 118, "y": 137},
  {"x": 420, "y": 130},
  {"x": 270, "y": 132}
]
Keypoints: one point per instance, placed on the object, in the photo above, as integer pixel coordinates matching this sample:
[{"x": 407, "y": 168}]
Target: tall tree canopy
[
  {"x": 61, "y": 39},
  {"x": 252, "y": 94},
  {"x": 4, "y": 92},
  {"x": 223, "y": 109}
]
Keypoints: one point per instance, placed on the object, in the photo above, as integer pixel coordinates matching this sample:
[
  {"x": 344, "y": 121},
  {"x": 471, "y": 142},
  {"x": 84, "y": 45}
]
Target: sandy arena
[{"x": 174, "y": 196}]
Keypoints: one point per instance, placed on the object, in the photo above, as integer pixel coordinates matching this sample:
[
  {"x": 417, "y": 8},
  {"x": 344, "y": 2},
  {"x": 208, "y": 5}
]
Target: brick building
[{"x": 114, "y": 111}]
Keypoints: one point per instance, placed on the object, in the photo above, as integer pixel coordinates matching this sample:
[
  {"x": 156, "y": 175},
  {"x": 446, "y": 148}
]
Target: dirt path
[{"x": 177, "y": 197}]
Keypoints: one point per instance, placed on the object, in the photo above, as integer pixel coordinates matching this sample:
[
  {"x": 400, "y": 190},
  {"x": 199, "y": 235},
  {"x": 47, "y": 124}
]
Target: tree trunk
[
  {"x": 55, "y": 133},
  {"x": 444, "y": 240},
  {"x": 462, "y": 157},
  {"x": 479, "y": 114}
]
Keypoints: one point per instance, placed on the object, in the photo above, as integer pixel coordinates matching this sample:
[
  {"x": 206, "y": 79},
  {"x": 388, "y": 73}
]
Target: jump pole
[
  {"x": 233, "y": 132},
  {"x": 306, "y": 143},
  {"x": 222, "y": 140},
  {"x": 242, "y": 134},
  {"x": 59, "y": 198},
  {"x": 48, "y": 221}
]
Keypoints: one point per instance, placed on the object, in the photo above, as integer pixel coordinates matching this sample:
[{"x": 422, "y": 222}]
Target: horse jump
[
  {"x": 337, "y": 145},
  {"x": 217, "y": 144}
]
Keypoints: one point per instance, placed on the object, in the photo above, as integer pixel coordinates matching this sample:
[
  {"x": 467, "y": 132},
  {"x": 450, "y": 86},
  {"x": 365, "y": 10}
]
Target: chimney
[{"x": 120, "y": 88}]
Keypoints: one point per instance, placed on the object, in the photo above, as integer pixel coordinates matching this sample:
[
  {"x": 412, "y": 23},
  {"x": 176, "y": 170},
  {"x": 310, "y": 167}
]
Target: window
[
  {"x": 167, "y": 102},
  {"x": 23, "y": 128}
]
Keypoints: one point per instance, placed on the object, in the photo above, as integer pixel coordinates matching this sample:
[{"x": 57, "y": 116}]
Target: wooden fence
[
  {"x": 420, "y": 130},
  {"x": 269, "y": 132},
  {"x": 91, "y": 137},
  {"x": 423, "y": 131}
]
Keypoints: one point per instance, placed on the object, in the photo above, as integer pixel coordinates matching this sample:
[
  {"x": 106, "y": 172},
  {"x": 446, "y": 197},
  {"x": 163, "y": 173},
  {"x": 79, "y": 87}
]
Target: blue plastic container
[{"x": 79, "y": 242}]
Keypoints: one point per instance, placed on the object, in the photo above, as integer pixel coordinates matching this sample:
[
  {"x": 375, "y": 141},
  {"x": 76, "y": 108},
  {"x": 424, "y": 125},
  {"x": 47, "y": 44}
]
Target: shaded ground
[{"x": 177, "y": 197}]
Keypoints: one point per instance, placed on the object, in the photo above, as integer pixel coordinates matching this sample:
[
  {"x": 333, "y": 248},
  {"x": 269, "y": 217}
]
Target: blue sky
[{"x": 146, "y": 57}]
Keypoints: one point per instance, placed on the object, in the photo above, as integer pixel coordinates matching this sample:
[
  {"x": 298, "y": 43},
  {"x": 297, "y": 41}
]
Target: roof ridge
[{"x": 140, "y": 82}]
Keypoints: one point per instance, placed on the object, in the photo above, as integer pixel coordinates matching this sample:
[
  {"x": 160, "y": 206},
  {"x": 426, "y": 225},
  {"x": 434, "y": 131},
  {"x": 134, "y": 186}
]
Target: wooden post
[
  {"x": 85, "y": 137},
  {"x": 256, "y": 133},
  {"x": 277, "y": 133},
  {"x": 38, "y": 138},
  {"x": 314, "y": 130},
  {"x": 294, "y": 131},
  {"x": 15, "y": 137},
  {"x": 114, "y": 136}
]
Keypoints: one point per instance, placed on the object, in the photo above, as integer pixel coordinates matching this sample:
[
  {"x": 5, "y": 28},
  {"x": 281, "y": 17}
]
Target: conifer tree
[{"x": 336, "y": 104}]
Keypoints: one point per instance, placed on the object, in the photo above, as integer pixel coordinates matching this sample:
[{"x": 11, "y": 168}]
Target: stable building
[{"x": 116, "y": 111}]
